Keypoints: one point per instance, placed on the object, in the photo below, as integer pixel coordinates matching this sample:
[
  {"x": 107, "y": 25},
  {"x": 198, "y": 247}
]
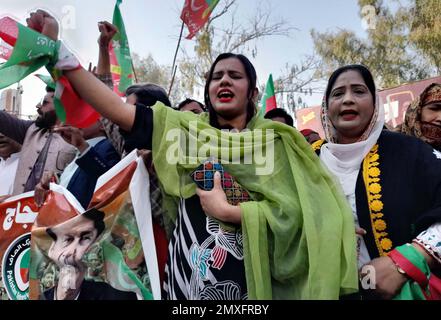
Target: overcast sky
[{"x": 153, "y": 27}]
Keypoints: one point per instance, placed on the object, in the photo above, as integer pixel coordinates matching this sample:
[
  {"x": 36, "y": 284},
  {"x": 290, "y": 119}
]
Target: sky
[{"x": 153, "y": 28}]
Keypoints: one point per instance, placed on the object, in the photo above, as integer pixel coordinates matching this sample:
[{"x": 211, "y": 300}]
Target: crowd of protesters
[{"x": 360, "y": 197}]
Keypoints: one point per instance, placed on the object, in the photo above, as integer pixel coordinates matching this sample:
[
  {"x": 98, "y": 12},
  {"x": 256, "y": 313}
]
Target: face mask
[{"x": 432, "y": 133}]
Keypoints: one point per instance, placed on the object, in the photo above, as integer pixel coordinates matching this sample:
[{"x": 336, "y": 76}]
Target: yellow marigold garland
[
  {"x": 317, "y": 145},
  {"x": 371, "y": 177}
]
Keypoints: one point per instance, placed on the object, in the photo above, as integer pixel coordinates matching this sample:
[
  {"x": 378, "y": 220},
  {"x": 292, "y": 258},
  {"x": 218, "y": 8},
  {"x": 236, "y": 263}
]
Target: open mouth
[
  {"x": 225, "y": 95},
  {"x": 348, "y": 114}
]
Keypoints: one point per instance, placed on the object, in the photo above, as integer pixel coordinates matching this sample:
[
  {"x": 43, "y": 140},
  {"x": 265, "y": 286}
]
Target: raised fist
[
  {"x": 43, "y": 22},
  {"x": 107, "y": 31}
]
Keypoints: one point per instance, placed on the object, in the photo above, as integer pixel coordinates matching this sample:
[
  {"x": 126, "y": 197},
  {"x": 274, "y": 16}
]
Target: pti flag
[
  {"x": 119, "y": 51},
  {"x": 70, "y": 108},
  {"x": 269, "y": 98},
  {"x": 196, "y": 13},
  {"x": 31, "y": 51},
  {"x": 47, "y": 80}
]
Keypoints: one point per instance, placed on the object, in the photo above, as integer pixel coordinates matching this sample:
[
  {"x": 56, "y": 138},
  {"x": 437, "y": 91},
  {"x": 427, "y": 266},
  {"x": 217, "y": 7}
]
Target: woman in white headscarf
[{"x": 392, "y": 182}]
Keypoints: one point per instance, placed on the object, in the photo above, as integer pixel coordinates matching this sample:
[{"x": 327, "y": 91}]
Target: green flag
[
  {"x": 269, "y": 98},
  {"x": 32, "y": 51},
  {"x": 47, "y": 80},
  {"x": 120, "y": 58}
]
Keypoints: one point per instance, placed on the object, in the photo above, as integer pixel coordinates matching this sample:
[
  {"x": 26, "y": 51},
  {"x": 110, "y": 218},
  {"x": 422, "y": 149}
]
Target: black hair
[
  {"x": 93, "y": 214},
  {"x": 148, "y": 94},
  {"x": 188, "y": 101},
  {"x": 279, "y": 112},
  {"x": 51, "y": 234},
  {"x": 361, "y": 69},
  {"x": 98, "y": 219},
  {"x": 252, "y": 79},
  {"x": 50, "y": 89}
]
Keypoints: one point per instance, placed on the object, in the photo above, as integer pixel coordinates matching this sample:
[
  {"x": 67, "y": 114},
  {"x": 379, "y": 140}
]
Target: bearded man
[{"x": 43, "y": 150}]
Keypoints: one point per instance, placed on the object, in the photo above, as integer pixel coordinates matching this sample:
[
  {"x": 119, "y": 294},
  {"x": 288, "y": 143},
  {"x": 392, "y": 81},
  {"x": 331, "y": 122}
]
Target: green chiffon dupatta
[{"x": 299, "y": 238}]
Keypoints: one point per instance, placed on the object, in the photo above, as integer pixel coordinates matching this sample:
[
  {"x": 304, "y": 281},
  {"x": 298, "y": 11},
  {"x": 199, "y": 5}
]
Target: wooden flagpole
[{"x": 173, "y": 70}]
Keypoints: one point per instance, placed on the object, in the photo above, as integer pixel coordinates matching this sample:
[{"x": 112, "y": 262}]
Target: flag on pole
[
  {"x": 269, "y": 98},
  {"x": 196, "y": 13},
  {"x": 121, "y": 65},
  {"x": 31, "y": 51}
]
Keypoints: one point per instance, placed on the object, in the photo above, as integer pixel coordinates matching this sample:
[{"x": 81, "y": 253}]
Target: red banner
[
  {"x": 17, "y": 215},
  {"x": 309, "y": 118},
  {"x": 396, "y": 100}
]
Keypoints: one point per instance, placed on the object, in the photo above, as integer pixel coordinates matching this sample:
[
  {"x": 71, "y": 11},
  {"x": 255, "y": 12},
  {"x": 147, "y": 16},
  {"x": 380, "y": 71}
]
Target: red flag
[
  {"x": 9, "y": 35},
  {"x": 70, "y": 108},
  {"x": 196, "y": 13},
  {"x": 8, "y": 30}
]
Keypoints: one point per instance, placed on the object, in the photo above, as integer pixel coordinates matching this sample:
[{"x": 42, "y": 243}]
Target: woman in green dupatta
[{"x": 297, "y": 232}]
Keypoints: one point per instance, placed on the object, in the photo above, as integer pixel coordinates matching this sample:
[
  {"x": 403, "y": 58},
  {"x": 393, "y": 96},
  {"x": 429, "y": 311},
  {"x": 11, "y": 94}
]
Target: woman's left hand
[{"x": 215, "y": 204}]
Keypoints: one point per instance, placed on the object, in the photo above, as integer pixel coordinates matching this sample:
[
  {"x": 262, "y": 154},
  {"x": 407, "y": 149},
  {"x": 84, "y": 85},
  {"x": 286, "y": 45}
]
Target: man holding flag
[{"x": 43, "y": 150}]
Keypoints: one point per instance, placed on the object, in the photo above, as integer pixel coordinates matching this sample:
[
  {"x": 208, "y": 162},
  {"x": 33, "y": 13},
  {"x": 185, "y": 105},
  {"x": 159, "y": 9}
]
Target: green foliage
[
  {"x": 149, "y": 71},
  {"x": 426, "y": 30},
  {"x": 231, "y": 37},
  {"x": 402, "y": 45}
]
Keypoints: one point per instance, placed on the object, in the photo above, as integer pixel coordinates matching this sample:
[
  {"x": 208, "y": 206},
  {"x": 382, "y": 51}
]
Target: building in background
[{"x": 10, "y": 101}]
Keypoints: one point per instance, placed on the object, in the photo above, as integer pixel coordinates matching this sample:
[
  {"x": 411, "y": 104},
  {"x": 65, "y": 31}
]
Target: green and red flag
[
  {"x": 31, "y": 51},
  {"x": 269, "y": 98},
  {"x": 121, "y": 65},
  {"x": 196, "y": 13},
  {"x": 47, "y": 80},
  {"x": 70, "y": 108}
]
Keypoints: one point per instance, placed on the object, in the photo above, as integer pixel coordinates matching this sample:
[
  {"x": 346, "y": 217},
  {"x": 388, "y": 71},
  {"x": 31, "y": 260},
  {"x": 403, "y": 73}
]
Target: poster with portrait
[
  {"x": 97, "y": 253},
  {"x": 17, "y": 215}
]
